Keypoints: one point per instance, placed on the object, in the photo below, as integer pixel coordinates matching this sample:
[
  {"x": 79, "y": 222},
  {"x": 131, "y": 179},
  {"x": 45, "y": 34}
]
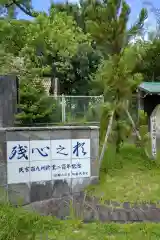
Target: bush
[
  {"x": 94, "y": 113},
  {"x": 19, "y": 224},
  {"x": 36, "y": 107}
]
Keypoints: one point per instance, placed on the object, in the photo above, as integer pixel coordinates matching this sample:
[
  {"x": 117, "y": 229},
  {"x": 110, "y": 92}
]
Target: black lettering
[
  {"x": 43, "y": 167},
  {"x": 68, "y": 166},
  {"x": 33, "y": 169},
  {"x": 73, "y": 166},
  {"x": 79, "y": 165},
  {"x": 38, "y": 169},
  {"x": 63, "y": 166},
  {"x": 27, "y": 169},
  {"x": 48, "y": 167},
  {"x": 21, "y": 170},
  {"x": 54, "y": 167}
]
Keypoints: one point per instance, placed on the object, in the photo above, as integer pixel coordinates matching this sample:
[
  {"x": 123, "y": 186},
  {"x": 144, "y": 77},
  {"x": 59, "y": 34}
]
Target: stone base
[
  {"x": 24, "y": 194},
  {"x": 88, "y": 209}
]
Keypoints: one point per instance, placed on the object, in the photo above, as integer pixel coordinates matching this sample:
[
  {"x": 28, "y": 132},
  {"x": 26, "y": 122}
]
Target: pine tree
[
  {"x": 108, "y": 27},
  {"x": 36, "y": 107}
]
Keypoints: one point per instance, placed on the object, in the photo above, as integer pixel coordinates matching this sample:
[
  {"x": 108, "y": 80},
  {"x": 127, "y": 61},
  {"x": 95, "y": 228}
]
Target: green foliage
[
  {"x": 57, "y": 47},
  {"x": 115, "y": 75},
  {"x": 142, "y": 118},
  {"x": 8, "y": 63},
  {"x": 132, "y": 175},
  {"x": 18, "y": 224},
  {"x": 52, "y": 35},
  {"x": 68, "y": 44},
  {"x": 76, "y": 79},
  {"x": 107, "y": 24},
  {"x": 118, "y": 81},
  {"x": 142, "y": 126},
  {"x": 94, "y": 112},
  {"x": 13, "y": 42},
  {"x": 150, "y": 64},
  {"x": 36, "y": 107}
]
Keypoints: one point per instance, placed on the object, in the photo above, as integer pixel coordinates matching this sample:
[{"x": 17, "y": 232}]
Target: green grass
[
  {"x": 17, "y": 224},
  {"x": 97, "y": 231},
  {"x": 131, "y": 176}
]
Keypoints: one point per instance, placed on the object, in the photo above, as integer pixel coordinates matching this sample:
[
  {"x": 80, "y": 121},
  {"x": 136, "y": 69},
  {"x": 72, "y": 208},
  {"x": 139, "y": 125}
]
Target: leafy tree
[
  {"x": 69, "y": 44},
  {"x": 79, "y": 11},
  {"x": 51, "y": 42},
  {"x": 76, "y": 80},
  {"x": 13, "y": 35},
  {"x": 8, "y": 62},
  {"x": 149, "y": 67},
  {"x": 51, "y": 35}
]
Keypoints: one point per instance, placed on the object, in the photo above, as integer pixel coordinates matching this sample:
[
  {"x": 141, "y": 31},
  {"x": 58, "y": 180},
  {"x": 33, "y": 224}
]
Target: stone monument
[
  {"x": 38, "y": 163},
  {"x": 8, "y": 100},
  {"x": 155, "y": 131}
]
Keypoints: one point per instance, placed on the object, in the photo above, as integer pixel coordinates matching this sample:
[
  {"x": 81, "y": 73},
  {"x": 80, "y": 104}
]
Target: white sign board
[
  {"x": 153, "y": 136},
  {"x": 45, "y": 160}
]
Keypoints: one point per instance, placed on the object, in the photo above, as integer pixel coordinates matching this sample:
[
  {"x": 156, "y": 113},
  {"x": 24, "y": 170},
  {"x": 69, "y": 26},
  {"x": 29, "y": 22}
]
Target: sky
[{"x": 136, "y": 6}]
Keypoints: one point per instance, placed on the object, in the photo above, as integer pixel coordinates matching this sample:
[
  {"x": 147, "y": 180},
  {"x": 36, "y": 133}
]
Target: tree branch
[{"x": 22, "y": 8}]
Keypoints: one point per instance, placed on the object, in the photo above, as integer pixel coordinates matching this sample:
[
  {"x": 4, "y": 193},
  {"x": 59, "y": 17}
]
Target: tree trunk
[
  {"x": 51, "y": 90},
  {"x": 118, "y": 136},
  {"x": 117, "y": 119}
]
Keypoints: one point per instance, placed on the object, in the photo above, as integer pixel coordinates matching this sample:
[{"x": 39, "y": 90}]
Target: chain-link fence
[
  {"x": 87, "y": 108},
  {"x": 61, "y": 109},
  {"x": 67, "y": 109},
  {"x": 75, "y": 109}
]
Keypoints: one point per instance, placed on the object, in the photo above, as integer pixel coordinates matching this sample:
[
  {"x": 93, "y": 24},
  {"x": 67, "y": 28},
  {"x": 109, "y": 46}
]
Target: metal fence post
[
  {"x": 62, "y": 104},
  {"x": 63, "y": 108},
  {"x": 69, "y": 109}
]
